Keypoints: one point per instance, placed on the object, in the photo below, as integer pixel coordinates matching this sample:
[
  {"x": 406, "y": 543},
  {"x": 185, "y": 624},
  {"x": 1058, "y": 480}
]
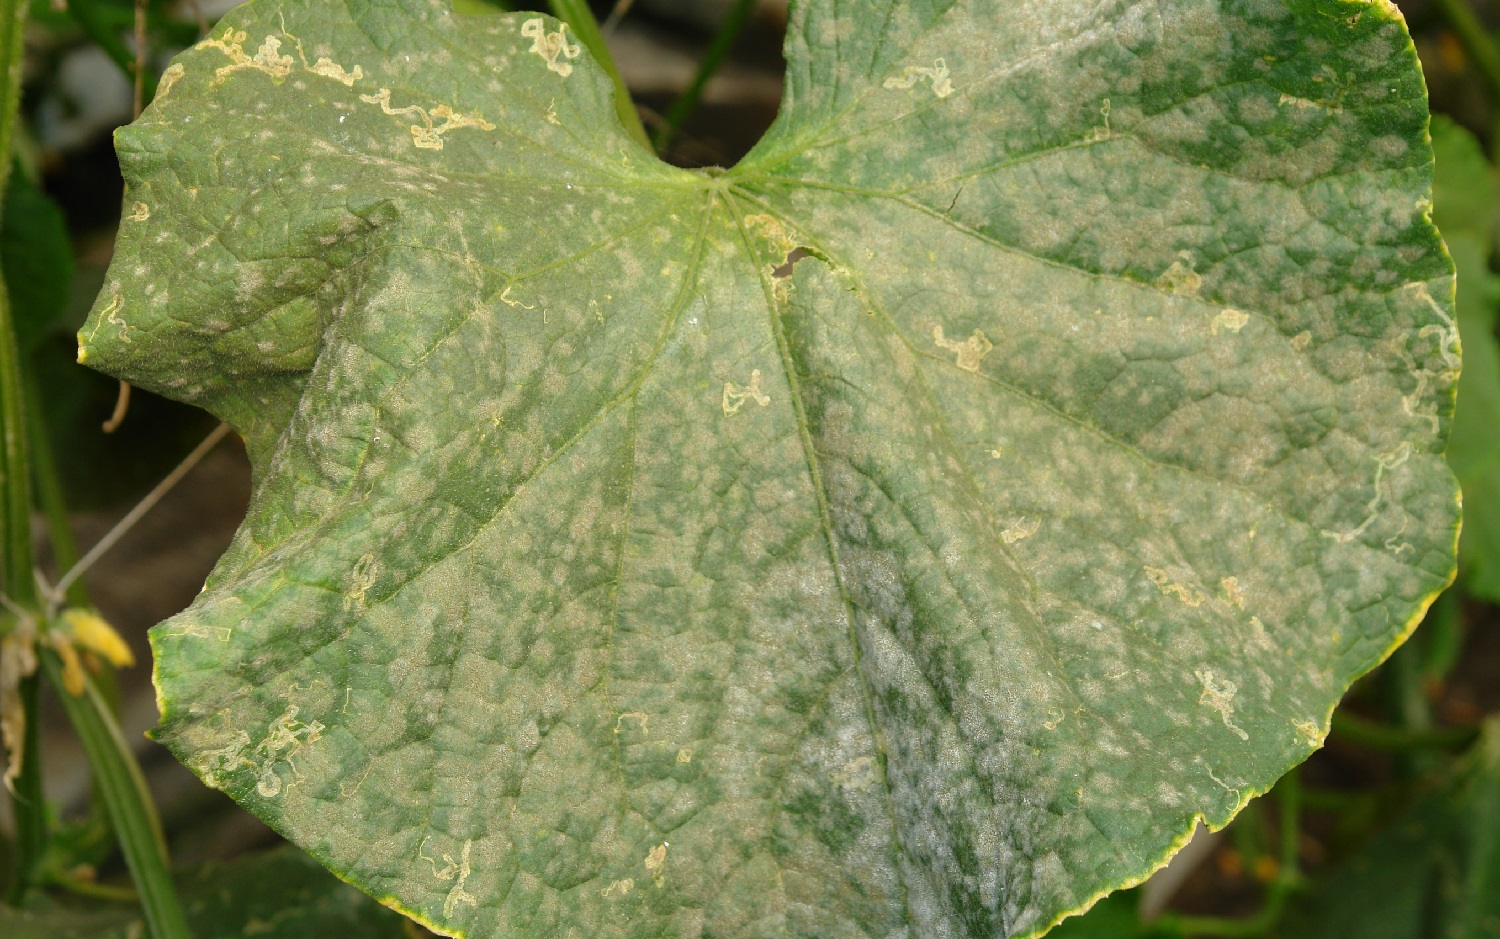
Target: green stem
[
  {"x": 15, "y": 484},
  {"x": 28, "y": 802},
  {"x": 1289, "y": 807},
  {"x": 1475, "y": 40},
  {"x": 1337, "y": 800},
  {"x": 50, "y": 498},
  {"x": 617, "y": 14},
  {"x": 1217, "y": 926},
  {"x": 16, "y": 583},
  {"x": 687, "y": 102},
  {"x": 1249, "y": 835},
  {"x": 119, "y": 783},
  {"x": 12, "y": 34},
  {"x": 86, "y": 888},
  {"x": 1362, "y": 730},
  {"x": 580, "y": 18},
  {"x": 1406, "y": 700}
]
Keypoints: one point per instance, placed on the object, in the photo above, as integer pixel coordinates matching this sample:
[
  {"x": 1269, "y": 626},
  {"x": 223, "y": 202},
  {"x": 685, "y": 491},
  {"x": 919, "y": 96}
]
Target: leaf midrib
[{"x": 825, "y": 518}]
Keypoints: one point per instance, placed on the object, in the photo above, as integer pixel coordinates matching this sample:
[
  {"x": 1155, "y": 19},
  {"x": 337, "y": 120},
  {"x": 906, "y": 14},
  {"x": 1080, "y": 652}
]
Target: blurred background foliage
[{"x": 1391, "y": 832}]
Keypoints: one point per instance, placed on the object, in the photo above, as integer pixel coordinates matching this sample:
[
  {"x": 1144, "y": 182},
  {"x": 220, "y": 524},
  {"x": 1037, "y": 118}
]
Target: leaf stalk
[{"x": 49, "y": 497}]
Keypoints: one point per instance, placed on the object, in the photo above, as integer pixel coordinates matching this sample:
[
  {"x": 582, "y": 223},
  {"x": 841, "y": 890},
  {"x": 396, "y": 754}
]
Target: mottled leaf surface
[{"x": 600, "y": 582}]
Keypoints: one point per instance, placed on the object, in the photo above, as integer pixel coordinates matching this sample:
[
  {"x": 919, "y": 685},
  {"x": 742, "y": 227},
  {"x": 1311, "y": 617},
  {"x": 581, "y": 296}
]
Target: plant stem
[
  {"x": 1337, "y": 800},
  {"x": 12, "y": 34},
  {"x": 85, "y": 888},
  {"x": 138, "y": 103},
  {"x": 1476, "y": 42},
  {"x": 576, "y": 14},
  {"x": 687, "y": 102},
  {"x": 1289, "y": 807},
  {"x": 1216, "y": 926},
  {"x": 617, "y": 14},
  {"x": 16, "y": 583},
  {"x": 121, "y": 787},
  {"x": 28, "y": 802},
  {"x": 1406, "y": 704},
  {"x": 50, "y": 499},
  {"x": 1406, "y": 701},
  {"x": 15, "y": 483}
]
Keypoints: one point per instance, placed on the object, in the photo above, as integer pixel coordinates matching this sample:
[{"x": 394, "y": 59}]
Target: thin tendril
[{"x": 134, "y": 515}]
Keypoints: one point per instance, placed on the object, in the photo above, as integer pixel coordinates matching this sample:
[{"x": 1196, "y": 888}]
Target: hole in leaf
[{"x": 785, "y": 269}]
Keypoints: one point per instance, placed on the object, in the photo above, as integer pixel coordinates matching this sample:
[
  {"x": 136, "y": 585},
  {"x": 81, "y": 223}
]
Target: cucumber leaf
[{"x": 607, "y": 577}]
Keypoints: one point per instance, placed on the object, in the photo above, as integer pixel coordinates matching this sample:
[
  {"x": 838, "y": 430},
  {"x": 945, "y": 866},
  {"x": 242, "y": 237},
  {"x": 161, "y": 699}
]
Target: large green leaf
[
  {"x": 601, "y": 582},
  {"x": 1435, "y": 871}
]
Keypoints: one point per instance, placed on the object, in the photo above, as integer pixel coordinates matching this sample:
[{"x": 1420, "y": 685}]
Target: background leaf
[
  {"x": 1464, "y": 200},
  {"x": 1433, "y": 872},
  {"x": 281, "y": 894},
  {"x": 38, "y": 259},
  {"x": 600, "y": 579}
]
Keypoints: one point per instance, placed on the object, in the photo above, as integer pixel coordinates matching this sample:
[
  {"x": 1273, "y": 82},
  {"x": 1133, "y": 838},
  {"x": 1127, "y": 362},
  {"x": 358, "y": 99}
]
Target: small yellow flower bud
[{"x": 91, "y": 632}]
